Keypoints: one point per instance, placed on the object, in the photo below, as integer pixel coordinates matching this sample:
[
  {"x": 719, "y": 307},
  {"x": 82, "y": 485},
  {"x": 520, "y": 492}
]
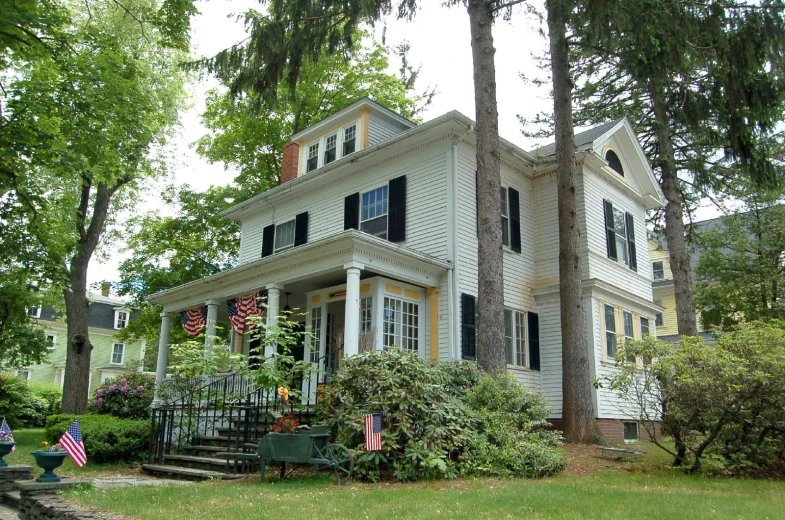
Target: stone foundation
[{"x": 39, "y": 501}]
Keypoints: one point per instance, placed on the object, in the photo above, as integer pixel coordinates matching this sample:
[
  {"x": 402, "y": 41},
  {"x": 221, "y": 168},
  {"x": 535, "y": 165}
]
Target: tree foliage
[
  {"x": 741, "y": 271},
  {"x": 721, "y": 402}
]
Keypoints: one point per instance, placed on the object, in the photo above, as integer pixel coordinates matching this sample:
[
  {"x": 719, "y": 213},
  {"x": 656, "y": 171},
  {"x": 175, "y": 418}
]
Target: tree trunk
[
  {"x": 674, "y": 217},
  {"x": 490, "y": 344},
  {"x": 577, "y": 405},
  {"x": 76, "y": 384}
]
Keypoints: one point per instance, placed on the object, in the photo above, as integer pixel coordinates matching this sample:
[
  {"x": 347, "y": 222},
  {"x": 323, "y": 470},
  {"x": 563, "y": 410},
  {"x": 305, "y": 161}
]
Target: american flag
[
  {"x": 373, "y": 431},
  {"x": 245, "y": 307},
  {"x": 71, "y": 441},
  {"x": 194, "y": 320},
  {"x": 5, "y": 429}
]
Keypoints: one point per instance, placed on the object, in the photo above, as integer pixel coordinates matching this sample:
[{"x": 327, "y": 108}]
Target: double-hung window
[
  {"x": 51, "y": 340},
  {"x": 505, "y": 218},
  {"x": 373, "y": 212},
  {"x": 330, "y": 148},
  {"x": 24, "y": 375},
  {"x": 610, "y": 331},
  {"x": 658, "y": 270},
  {"x": 366, "y": 313},
  {"x": 515, "y": 337},
  {"x": 313, "y": 157},
  {"x": 401, "y": 324},
  {"x": 34, "y": 311},
  {"x": 644, "y": 327},
  {"x": 118, "y": 352},
  {"x": 659, "y": 321},
  {"x": 349, "y": 139},
  {"x": 316, "y": 333},
  {"x": 120, "y": 319},
  {"x": 284, "y": 236},
  {"x": 620, "y": 236},
  {"x": 629, "y": 332}
]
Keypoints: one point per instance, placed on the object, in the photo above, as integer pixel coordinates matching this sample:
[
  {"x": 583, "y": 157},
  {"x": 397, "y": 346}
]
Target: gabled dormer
[{"x": 361, "y": 125}]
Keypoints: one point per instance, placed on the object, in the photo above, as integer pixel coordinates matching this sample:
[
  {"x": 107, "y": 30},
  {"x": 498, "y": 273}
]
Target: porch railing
[{"x": 230, "y": 404}]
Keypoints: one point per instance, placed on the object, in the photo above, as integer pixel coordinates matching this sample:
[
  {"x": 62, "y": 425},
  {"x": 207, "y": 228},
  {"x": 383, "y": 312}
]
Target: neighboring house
[
  {"x": 110, "y": 357},
  {"x": 373, "y": 233}
]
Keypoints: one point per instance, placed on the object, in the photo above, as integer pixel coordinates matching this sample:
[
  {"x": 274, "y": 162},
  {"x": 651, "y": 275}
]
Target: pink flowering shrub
[{"x": 128, "y": 397}]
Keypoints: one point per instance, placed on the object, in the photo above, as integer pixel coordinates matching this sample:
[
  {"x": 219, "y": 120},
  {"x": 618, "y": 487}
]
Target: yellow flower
[
  {"x": 283, "y": 392},
  {"x": 44, "y": 443}
]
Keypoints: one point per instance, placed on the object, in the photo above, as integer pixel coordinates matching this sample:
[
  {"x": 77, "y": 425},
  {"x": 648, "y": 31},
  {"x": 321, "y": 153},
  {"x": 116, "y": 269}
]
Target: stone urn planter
[
  {"x": 49, "y": 461},
  {"x": 5, "y": 449}
]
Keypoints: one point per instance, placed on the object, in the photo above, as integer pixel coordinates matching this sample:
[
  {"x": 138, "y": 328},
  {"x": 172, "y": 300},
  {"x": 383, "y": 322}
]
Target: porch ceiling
[{"x": 317, "y": 263}]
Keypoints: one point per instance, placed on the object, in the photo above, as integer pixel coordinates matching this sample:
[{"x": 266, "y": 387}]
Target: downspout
[{"x": 453, "y": 275}]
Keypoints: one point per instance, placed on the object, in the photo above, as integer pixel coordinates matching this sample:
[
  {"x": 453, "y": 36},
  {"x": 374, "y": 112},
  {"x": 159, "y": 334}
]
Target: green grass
[
  {"x": 30, "y": 440},
  {"x": 615, "y": 494}
]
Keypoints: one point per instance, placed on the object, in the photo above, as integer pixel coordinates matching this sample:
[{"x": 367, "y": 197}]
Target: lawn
[
  {"x": 29, "y": 440},
  {"x": 601, "y": 489}
]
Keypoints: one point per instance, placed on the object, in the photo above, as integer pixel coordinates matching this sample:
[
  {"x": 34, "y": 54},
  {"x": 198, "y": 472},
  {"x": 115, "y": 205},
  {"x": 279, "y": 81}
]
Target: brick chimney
[
  {"x": 105, "y": 286},
  {"x": 291, "y": 158}
]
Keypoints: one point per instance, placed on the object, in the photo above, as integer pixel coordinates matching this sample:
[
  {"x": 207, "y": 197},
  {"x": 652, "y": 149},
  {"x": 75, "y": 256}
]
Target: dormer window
[
  {"x": 349, "y": 139},
  {"x": 120, "y": 319},
  {"x": 313, "y": 158},
  {"x": 614, "y": 162},
  {"x": 330, "y": 148}
]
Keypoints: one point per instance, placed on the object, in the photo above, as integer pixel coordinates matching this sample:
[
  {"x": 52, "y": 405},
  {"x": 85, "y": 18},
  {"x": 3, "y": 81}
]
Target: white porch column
[
  {"x": 351, "y": 326},
  {"x": 273, "y": 309},
  {"x": 163, "y": 353},
  {"x": 212, "y": 323}
]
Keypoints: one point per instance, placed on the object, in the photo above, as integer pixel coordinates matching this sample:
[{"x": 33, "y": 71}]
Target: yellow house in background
[{"x": 662, "y": 291}]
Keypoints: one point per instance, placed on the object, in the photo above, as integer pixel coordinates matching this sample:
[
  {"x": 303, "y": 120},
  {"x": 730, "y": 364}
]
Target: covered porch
[{"x": 352, "y": 292}]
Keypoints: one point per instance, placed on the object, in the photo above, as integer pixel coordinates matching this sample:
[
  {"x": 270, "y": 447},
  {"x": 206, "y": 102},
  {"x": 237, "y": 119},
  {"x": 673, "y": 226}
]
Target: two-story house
[
  {"x": 372, "y": 234},
  {"x": 109, "y": 358}
]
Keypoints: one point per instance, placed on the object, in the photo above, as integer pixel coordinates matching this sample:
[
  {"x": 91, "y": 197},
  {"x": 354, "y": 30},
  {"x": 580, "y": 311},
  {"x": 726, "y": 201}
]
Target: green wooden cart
[{"x": 306, "y": 448}]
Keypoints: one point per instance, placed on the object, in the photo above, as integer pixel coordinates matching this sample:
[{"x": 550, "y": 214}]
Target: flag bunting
[
  {"x": 194, "y": 320},
  {"x": 241, "y": 308}
]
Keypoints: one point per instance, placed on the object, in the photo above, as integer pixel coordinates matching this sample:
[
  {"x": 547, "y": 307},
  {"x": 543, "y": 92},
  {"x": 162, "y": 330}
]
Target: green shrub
[
  {"x": 106, "y": 438},
  {"x": 18, "y": 404},
  {"x": 128, "y": 396},
  {"x": 511, "y": 437},
  {"x": 51, "y": 394},
  {"x": 425, "y": 426}
]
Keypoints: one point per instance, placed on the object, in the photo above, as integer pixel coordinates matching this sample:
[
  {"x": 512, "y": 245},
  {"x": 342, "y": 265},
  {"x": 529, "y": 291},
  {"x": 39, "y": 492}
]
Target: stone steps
[
  {"x": 183, "y": 473},
  {"x": 190, "y": 461},
  {"x": 11, "y": 499}
]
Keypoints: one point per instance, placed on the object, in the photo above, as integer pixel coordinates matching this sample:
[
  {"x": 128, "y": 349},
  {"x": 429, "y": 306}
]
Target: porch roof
[{"x": 314, "y": 260}]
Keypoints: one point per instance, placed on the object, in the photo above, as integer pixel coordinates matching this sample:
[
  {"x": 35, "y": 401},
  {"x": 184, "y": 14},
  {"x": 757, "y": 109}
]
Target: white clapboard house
[{"x": 372, "y": 235}]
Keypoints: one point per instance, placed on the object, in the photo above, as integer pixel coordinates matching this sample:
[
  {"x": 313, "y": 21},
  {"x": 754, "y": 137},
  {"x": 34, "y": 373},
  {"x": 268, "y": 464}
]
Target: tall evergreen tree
[
  {"x": 296, "y": 33},
  {"x": 702, "y": 84}
]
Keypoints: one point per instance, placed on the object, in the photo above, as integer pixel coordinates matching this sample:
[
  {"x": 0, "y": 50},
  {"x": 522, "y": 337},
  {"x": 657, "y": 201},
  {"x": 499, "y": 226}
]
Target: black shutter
[
  {"x": 301, "y": 229},
  {"x": 631, "y": 242},
  {"x": 396, "y": 218},
  {"x": 468, "y": 327},
  {"x": 534, "y": 340},
  {"x": 351, "y": 211},
  {"x": 268, "y": 240},
  {"x": 515, "y": 219},
  {"x": 610, "y": 230}
]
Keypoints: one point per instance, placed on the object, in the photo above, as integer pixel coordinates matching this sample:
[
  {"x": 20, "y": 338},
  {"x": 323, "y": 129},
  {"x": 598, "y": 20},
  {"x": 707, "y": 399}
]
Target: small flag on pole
[
  {"x": 7, "y": 431},
  {"x": 71, "y": 441},
  {"x": 373, "y": 431}
]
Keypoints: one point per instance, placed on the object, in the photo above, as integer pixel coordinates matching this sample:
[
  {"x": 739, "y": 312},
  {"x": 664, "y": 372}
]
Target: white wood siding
[
  {"x": 550, "y": 353},
  {"x": 426, "y": 205},
  {"x": 599, "y": 265},
  {"x": 380, "y": 129}
]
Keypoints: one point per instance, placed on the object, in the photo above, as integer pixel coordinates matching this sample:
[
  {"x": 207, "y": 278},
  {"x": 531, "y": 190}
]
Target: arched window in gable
[{"x": 614, "y": 162}]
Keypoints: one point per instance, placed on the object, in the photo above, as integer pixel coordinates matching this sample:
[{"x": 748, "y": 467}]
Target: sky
[{"x": 440, "y": 43}]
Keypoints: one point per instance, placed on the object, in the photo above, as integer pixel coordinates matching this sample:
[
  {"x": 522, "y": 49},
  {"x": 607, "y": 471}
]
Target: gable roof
[{"x": 587, "y": 137}]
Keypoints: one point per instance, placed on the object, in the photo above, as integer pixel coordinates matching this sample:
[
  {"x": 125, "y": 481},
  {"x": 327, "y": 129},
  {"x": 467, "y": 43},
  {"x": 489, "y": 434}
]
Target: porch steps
[
  {"x": 203, "y": 463},
  {"x": 182, "y": 473},
  {"x": 11, "y": 499}
]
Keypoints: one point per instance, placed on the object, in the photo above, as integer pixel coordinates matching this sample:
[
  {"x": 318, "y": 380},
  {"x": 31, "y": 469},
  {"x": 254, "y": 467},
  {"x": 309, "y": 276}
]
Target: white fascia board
[
  {"x": 307, "y": 261},
  {"x": 328, "y": 122},
  {"x": 595, "y": 287}
]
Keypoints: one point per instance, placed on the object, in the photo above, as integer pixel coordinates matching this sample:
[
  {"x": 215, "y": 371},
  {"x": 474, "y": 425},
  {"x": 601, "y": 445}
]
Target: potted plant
[
  {"x": 49, "y": 460},
  {"x": 6, "y": 446}
]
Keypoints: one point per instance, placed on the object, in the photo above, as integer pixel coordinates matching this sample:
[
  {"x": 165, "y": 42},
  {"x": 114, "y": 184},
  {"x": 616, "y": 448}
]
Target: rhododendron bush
[{"x": 127, "y": 396}]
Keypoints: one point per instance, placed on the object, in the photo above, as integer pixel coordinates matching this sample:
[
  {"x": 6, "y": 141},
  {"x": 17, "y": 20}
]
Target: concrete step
[
  {"x": 11, "y": 498},
  {"x": 210, "y": 451},
  {"x": 190, "y": 461},
  {"x": 183, "y": 473},
  {"x": 214, "y": 440}
]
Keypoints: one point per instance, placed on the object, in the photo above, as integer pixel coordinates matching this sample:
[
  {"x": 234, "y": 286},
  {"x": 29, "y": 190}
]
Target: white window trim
[
  {"x": 398, "y": 324},
  {"x": 111, "y": 355},
  {"x": 275, "y": 236},
  {"x": 614, "y": 331},
  {"x": 322, "y": 142},
  {"x": 54, "y": 341},
  {"x": 26, "y": 370},
  {"x": 117, "y": 316},
  {"x": 623, "y": 236},
  {"x": 386, "y": 215},
  {"x": 37, "y": 313},
  {"x": 637, "y": 430},
  {"x": 654, "y": 271},
  {"x": 524, "y": 335}
]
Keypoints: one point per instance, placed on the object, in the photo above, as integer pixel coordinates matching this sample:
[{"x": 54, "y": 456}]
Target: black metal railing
[{"x": 231, "y": 404}]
